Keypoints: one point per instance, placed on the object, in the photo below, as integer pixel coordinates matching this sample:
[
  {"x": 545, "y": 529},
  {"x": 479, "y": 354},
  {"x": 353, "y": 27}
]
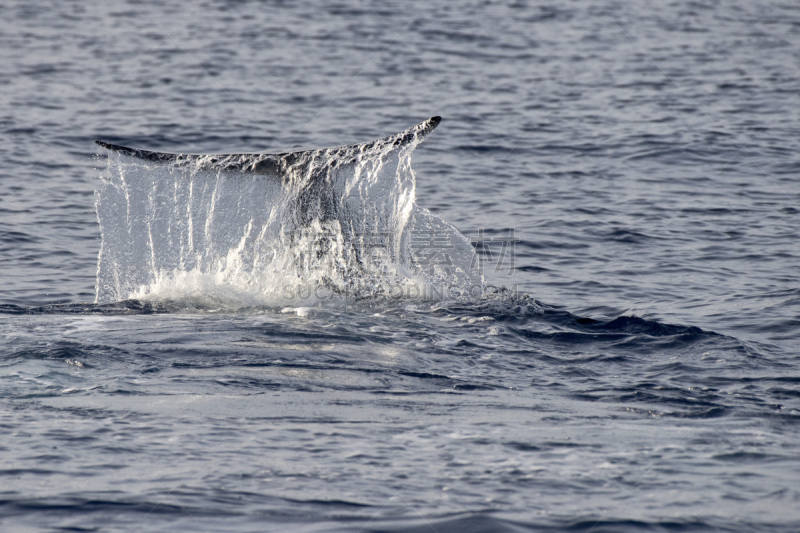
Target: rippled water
[{"x": 638, "y": 161}]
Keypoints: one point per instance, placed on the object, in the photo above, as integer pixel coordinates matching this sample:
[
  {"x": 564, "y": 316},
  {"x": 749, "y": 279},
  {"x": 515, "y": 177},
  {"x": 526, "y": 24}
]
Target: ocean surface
[{"x": 574, "y": 307}]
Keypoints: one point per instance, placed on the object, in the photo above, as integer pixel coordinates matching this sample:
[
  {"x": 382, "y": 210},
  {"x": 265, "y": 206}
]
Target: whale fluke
[{"x": 280, "y": 164}]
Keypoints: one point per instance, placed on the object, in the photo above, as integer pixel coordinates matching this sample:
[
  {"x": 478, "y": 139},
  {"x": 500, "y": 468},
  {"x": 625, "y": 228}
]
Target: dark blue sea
[{"x": 574, "y": 307}]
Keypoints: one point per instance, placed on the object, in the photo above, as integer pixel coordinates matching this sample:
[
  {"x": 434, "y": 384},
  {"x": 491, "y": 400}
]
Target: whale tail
[{"x": 265, "y": 163}]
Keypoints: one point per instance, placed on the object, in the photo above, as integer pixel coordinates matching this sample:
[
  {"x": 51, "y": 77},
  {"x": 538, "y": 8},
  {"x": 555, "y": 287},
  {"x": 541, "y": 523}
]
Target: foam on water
[{"x": 328, "y": 231}]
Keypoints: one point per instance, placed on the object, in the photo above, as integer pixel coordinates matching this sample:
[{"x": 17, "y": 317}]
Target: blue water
[{"x": 637, "y": 370}]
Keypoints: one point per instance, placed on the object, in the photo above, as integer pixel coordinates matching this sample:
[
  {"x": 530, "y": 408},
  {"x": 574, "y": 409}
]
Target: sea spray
[{"x": 329, "y": 229}]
